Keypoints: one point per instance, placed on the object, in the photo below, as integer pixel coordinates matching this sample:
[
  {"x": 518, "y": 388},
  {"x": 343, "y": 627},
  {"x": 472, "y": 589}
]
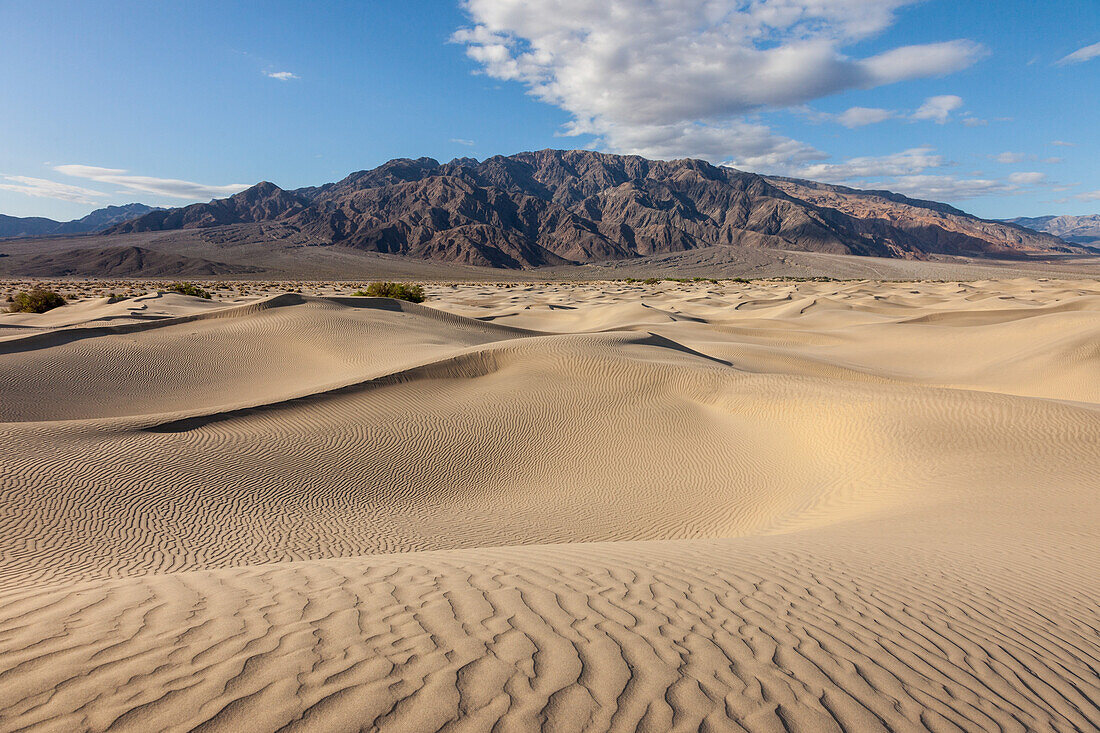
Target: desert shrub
[
  {"x": 36, "y": 301},
  {"x": 651, "y": 281},
  {"x": 401, "y": 291},
  {"x": 741, "y": 280},
  {"x": 185, "y": 288}
]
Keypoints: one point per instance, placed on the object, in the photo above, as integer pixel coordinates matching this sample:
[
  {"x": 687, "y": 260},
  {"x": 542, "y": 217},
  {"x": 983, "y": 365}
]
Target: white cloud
[
  {"x": 282, "y": 75},
  {"x": 145, "y": 184},
  {"x": 913, "y": 173},
  {"x": 737, "y": 143},
  {"x": 861, "y": 116},
  {"x": 673, "y": 77},
  {"x": 1008, "y": 158},
  {"x": 948, "y": 188},
  {"x": 916, "y": 62},
  {"x": 938, "y": 187},
  {"x": 905, "y": 163},
  {"x": 939, "y": 108},
  {"x": 1053, "y": 161},
  {"x": 462, "y": 141},
  {"x": 42, "y": 188},
  {"x": 1088, "y": 196},
  {"x": 1028, "y": 178},
  {"x": 974, "y": 122},
  {"x": 1063, "y": 144},
  {"x": 1081, "y": 55}
]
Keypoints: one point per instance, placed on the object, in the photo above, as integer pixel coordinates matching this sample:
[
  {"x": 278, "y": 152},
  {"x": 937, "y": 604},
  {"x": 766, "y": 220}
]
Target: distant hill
[
  {"x": 556, "y": 207},
  {"x": 26, "y": 226},
  {"x": 126, "y": 262},
  {"x": 1078, "y": 229},
  {"x": 98, "y": 220}
]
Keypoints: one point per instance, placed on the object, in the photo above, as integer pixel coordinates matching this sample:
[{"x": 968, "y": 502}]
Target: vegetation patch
[
  {"x": 400, "y": 291},
  {"x": 35, "y": 301},
  {"x": 185, "y": 288}
]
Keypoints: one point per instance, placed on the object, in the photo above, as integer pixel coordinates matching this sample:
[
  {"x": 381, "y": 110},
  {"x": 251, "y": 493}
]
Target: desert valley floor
[{"x": 759, "y": 506}]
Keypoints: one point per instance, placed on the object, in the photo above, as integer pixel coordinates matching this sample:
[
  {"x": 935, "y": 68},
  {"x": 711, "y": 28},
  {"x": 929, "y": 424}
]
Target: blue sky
[{"x": 994, "y": 107}]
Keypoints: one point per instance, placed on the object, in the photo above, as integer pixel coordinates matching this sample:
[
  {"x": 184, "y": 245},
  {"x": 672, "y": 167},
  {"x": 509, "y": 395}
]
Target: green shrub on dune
[
  {"x": 185, "y": 288},
  {"x": 35, "y": 301},
  {"x": 400, "y": 291}
]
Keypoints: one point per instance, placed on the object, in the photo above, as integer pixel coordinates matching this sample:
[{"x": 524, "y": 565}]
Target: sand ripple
[{"x": 794, "y": 506}]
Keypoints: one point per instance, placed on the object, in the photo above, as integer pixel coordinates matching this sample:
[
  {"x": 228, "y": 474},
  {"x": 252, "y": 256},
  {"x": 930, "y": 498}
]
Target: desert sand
[{"x": 757, "y": 506}]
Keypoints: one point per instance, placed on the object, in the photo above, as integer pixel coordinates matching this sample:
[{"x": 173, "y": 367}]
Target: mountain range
[
  {"x": 553, "y": 207},
  {"x": 1078, "y": 229},
  {"x": 98, "y": 220}
]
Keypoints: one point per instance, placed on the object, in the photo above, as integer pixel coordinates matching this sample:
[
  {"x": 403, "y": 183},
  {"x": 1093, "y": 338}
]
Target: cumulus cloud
[
  {"x": 861, "y": 116},
  {"x": 939, "y": 187},
  {"x": 948, "y": 188},
  {"x": 914, "y": 173},
  {"x": 170, "y": 187},
  {"x": 282, "y": 75},
  {"x": 1081, "y": 55},
  {"x": 916, "y": 62},
  {"x": 46, "y": 189},
  {"x": 938, "y": 109},
  {"x": 736, "y": 143},
  {"x": 907, "y": 162},
  {"x": 673, "y": 77}
]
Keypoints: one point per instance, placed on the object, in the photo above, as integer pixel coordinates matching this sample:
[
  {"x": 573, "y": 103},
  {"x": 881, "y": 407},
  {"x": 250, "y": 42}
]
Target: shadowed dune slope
[{"x": 689, "y": 506}]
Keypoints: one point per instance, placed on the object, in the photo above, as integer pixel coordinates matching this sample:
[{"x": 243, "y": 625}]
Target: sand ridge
[{"x": 745, "y": 506}]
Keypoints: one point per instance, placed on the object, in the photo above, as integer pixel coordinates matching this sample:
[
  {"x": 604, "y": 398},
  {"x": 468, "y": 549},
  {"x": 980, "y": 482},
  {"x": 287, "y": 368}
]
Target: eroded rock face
[
  {"x": 263, "y": 202},
  {"x": 553, "y": 206},
  {"x": 913, "y": 226}
]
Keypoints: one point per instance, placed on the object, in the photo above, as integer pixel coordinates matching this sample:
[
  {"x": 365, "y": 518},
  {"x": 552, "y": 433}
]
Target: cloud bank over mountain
[{"x": 678, "y": 78}]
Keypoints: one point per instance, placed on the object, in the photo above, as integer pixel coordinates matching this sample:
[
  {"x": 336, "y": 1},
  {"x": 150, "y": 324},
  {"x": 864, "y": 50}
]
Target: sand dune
[{"x": 766, "y": 506}]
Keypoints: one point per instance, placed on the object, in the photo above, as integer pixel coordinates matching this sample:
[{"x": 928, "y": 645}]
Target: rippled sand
[{"x": 767, "y": 506}]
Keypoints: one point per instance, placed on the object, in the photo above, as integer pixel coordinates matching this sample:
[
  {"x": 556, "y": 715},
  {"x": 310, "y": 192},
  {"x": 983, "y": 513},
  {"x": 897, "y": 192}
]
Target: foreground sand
[{"x": 767, "y": 506}]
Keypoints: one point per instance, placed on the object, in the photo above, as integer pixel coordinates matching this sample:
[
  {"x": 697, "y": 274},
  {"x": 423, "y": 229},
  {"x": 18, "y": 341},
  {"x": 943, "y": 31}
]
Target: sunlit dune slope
[{"x": 810, "y": 506}]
